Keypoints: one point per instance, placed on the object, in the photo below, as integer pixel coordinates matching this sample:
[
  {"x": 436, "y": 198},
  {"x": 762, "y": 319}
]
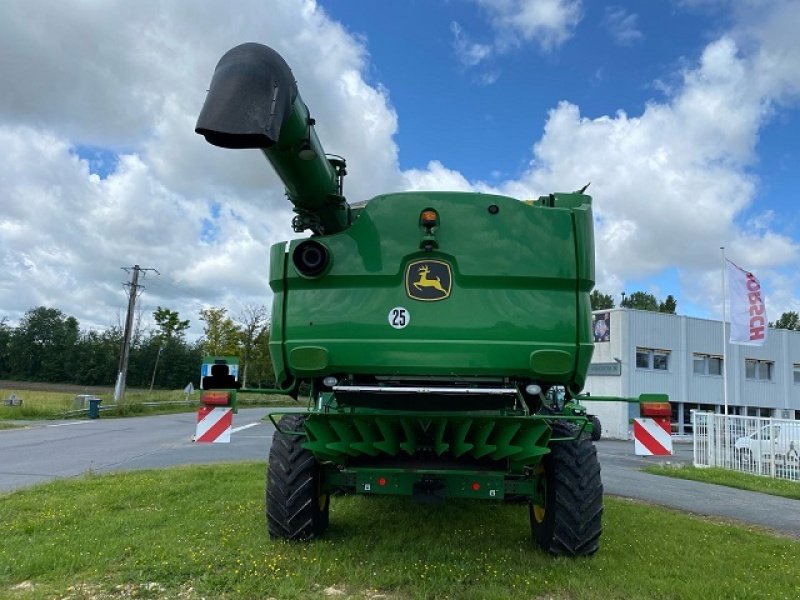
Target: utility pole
[
  {"x": 122, "y": 372},
  {"x": 155, "y": 368}
]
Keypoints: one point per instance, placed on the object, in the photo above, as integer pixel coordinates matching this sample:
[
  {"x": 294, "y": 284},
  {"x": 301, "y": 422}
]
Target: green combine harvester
[{"x": 437, "y": 332}]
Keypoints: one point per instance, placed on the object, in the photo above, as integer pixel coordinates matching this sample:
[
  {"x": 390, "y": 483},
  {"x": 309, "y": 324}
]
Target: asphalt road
[
  {"x": 50, "y": 450},
  {"x": 47, "y": 450},
  {"x": 622, "y": 477}
]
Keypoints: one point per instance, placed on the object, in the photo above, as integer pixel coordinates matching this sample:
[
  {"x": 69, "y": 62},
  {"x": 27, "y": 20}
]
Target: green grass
[
  {"x": 54, "y": 405},
  {"x": 200, "y": 532},
  {"x": 36, "y": 404},
  {"x": 734, "y": 479}
]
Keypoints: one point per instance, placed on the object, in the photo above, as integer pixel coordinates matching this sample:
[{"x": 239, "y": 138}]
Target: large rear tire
[
  {"x": 296, "y": 507},
  {"x": 569, "y": 521}
]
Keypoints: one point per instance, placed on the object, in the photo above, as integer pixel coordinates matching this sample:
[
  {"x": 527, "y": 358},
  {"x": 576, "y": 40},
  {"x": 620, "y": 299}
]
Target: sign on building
[
  {"x": 601, "y": 326},
  {"x": 607, "y": 369}
]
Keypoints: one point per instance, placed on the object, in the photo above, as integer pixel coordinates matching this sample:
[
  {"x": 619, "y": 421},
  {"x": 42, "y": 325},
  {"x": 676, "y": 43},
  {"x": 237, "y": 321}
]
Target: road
[
  {"x": 50, "y": 450},
  {"x": 622, "y": 477}
]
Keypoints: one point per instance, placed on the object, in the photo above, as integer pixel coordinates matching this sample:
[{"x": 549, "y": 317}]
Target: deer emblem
[{"x": 424, "y": 282}]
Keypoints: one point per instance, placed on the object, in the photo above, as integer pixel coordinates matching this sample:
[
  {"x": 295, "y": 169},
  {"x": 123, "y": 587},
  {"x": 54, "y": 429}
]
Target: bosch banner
[{"x": 748, "y": 313}]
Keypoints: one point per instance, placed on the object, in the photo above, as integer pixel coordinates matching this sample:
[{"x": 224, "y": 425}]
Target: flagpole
[{"x": 724, "y": 338}]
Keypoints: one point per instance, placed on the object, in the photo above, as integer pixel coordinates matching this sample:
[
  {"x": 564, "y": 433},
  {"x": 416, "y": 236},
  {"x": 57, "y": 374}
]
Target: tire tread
[
  {"x": 577, "y": 497},
  {"x": 293, "y": 510}
]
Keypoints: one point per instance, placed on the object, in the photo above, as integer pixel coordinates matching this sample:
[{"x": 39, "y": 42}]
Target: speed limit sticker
[{"x": 399, "y": 317}]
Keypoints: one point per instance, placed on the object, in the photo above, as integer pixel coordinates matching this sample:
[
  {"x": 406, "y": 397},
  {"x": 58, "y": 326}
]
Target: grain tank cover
[{"x": 251, "y": 94}]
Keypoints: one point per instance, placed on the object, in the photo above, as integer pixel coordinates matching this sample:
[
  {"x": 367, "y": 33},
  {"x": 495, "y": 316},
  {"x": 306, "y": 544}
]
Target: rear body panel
[{"x": 516, "y": 303}]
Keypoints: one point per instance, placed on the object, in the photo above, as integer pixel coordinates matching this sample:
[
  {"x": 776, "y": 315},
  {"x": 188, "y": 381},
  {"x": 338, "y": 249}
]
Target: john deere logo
[{"x": 428, "y": 280}]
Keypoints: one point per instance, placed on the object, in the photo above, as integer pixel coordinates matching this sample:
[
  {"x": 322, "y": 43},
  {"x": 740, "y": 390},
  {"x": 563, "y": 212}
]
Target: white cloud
[
  {"x": 549, "y": 23},
  {"x": 671, "y": 184},
  {"x": 622, "y": 25},
  {"x": 488, "y": 77},
  {"x": 134, "y": 79},
  {"x": 468, "y": 52},
  {"x": 436, "y": 177}
]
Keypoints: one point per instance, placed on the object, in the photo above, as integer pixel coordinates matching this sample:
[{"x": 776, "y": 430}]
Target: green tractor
[{"x": 430, "y": 328}]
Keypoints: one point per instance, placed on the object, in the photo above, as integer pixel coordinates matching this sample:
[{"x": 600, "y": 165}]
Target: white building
[{"x": 638, "y": 352}]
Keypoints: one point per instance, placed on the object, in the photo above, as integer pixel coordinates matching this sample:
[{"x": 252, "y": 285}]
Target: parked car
[{"x": 778, "y": 442}]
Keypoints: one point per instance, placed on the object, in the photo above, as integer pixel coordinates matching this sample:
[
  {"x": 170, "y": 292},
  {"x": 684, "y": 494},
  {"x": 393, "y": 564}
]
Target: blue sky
[
  {"x": 684, "y": 115},
  {"x": 621, "y": 56},
  {"x": 480, "y": 128}
]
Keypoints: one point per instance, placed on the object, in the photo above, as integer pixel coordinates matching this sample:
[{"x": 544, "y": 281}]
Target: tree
[
  {"x": 97, "y": 355},
  {"x": 788, "y": 320},
  {"x": 168, "y": 338},
  {"x": 221, "y": 336},
  {"x": 640, "y": 301},
  {"x": 47, "y": 345},
  {"x": 261, "y": 371},
  {"x": 600, "y": 300},
  {"x": 179, "y": 362},
  {"x": 669, "y": 306},
  {"x": 252, "y": 320},
  {"x": 5, "y": 346},
  {"x": 645, "y": 301},
  {"x": 170, "y": 326},
  {"x": 43, "y": 346}
]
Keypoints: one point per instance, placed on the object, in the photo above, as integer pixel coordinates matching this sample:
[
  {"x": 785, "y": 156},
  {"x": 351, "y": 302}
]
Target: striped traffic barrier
[
  {"x": 214, "y": 425},
  {"x": 651, "y": 438}
]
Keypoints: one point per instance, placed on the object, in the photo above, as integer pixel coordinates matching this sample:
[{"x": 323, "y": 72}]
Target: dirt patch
[{"x": 67, "y": 388}]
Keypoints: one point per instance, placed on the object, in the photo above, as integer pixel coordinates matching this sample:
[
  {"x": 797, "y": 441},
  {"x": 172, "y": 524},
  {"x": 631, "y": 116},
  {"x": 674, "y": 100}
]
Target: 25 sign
[{"x": 399, "y": 317}]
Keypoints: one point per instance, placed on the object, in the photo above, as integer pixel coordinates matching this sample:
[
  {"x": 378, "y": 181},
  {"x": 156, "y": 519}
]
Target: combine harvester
[{"x": 436, "y": 331}]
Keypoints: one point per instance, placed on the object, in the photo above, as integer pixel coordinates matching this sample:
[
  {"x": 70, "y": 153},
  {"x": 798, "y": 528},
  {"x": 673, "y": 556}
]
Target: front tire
[
  {"x": 296, "y": 507},
  {"x": 597, "y": 428},
  {"x": 568, "y": 521}
]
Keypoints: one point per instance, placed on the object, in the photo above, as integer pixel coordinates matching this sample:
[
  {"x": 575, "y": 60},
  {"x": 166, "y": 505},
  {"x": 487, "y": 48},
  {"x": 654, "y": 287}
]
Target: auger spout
[{"x": 253, "y": 102}]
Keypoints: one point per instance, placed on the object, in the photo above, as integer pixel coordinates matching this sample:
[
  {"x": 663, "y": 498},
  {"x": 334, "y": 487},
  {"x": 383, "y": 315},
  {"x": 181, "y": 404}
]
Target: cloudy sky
[{"x": 683, "y": 114}]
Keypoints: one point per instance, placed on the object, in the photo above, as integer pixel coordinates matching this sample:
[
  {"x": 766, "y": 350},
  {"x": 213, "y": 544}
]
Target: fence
[{"x": 761, "y": 446}]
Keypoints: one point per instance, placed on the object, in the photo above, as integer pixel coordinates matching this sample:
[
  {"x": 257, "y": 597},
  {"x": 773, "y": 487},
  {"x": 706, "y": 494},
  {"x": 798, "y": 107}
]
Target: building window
[
  {"x": 706, "y": 364},
  {"x": 648, "y": 358},
  {"x": 760, "y": 370},
  {"x": 797, "y": 373}
]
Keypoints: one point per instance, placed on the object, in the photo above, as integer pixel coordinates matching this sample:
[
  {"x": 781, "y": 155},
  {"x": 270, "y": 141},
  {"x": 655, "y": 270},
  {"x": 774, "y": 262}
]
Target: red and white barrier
[
  {"x": 651, "y": 438},
  {"x": 214, "y": 425}
]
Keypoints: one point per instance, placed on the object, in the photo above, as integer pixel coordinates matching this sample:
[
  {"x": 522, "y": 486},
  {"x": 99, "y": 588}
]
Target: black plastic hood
[{"x": 251, "y": 94}]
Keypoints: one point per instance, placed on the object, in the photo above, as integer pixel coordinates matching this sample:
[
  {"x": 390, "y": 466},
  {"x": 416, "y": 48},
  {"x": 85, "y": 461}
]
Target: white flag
[{"x": 748, "y": 313}]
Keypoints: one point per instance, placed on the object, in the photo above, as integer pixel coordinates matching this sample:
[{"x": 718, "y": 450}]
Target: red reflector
[
  {"x": 656, "y": 409},
  {"x": 216, "y": 398},
  {"x": 476, "y": 486},
  {"x": 382, "y": 481}
]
